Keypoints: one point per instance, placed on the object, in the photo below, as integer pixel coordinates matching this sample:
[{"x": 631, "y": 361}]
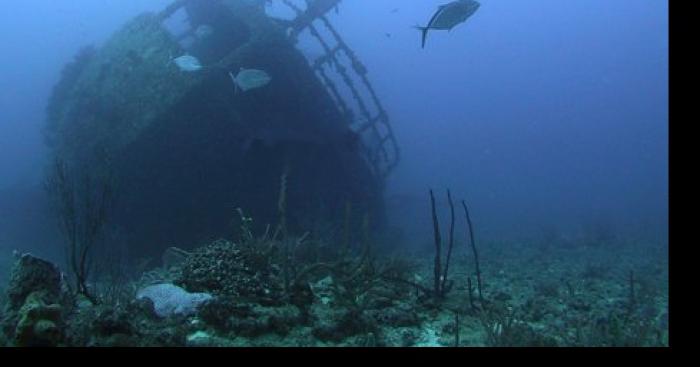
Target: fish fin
[{"x": 235, "y": 83}]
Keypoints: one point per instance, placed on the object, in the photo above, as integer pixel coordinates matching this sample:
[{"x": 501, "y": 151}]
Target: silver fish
[
  {"x": 248, "y": 79},
  {"x": 188, "y": 63},
  {"x": 449, "y": 16}
]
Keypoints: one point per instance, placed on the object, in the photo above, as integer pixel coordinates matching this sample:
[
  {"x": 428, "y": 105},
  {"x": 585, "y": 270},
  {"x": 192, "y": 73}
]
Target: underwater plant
[
  {"x": 441, "y": 283},
  {"x": 115, "y": 272},
  {"x": 476, "y": 255},
  {"x": 81, "y": 204}
]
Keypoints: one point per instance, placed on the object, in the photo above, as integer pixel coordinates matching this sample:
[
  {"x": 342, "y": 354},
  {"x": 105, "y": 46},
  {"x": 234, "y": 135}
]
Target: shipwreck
[{"x": 187, "y": 149}]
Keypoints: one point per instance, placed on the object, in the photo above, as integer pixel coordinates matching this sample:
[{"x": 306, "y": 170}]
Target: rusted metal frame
[
  {"x": 292, "y": 6},
  {"x": 357, "y": 65},
  {"x": 334, "y": 91},
  {"x": 382, "y": 117},
  {"x": 330, "y": 58},
  {"x": 343, "y": 73},
  {"x": 342, "y": 70},
  {"x": 361, "y": 70}
]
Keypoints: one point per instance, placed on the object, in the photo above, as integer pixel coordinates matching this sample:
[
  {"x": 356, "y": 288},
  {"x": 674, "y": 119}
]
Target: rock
[
  {"x": 401, "y": 315},
  {"x": 409, "y": 337},
  {"x": 323, "y": 290},
  {"x": 31, "y": 274},
  {"x": 113, "y": 321},
  {"x": 170, "y": 300},
  {"x": 116, "y": 340},
  {"x": 328, "y": 331},
  {"x": 33, "y": 314},
  {"x": 267, "y": 320},
  {"x": 341, "y": 324},
  {"x": 39, "y": 323},
  {"x": 281, "y": 320},
  {"x": 579, "y": 304},
  {"x": 218, "y": 312},
  {"x": 248, "y": 327},
  {"x": 302, "y": 295}
]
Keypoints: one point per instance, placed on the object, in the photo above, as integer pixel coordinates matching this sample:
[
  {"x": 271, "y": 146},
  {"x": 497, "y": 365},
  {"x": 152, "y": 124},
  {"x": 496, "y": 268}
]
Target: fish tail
[{"x": 424, "y": 31}]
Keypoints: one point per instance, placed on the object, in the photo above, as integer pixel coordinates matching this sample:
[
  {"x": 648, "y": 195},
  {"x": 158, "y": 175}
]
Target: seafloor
[{"x": 270, "y": 292}]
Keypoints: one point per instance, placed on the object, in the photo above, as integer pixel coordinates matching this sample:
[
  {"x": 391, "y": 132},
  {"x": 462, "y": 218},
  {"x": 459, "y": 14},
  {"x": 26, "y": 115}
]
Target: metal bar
[
  {"x": 384, "y": 154},
  {"x": 171, "y": 9}
]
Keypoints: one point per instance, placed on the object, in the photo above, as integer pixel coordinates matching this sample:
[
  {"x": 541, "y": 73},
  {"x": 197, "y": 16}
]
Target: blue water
[{"x": 547, "y": 116}]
